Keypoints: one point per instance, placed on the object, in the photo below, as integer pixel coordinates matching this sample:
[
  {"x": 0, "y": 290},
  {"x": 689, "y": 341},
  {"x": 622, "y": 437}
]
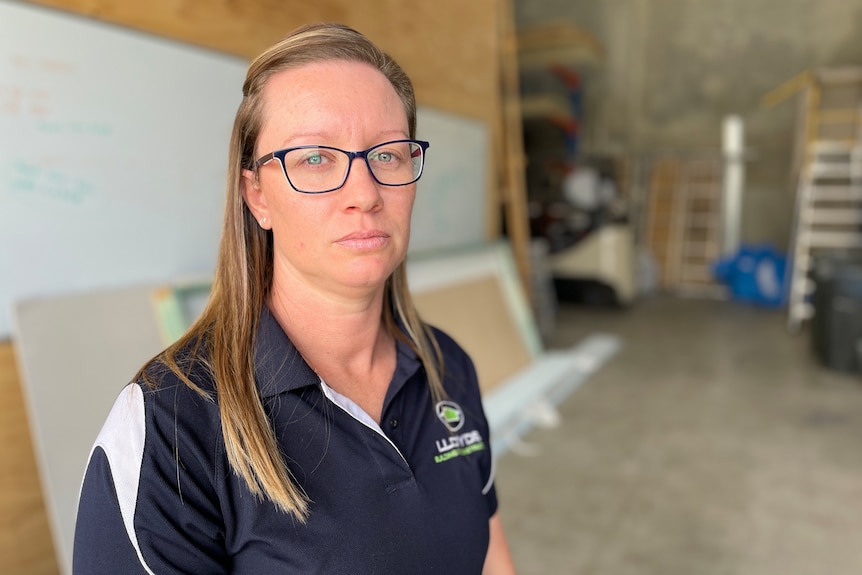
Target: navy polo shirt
[{"x": 412, "y": 495}]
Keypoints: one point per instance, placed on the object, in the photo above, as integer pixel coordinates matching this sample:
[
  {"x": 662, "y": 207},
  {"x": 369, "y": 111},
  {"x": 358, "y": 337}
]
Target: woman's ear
[{"x": 254, "y": 198}]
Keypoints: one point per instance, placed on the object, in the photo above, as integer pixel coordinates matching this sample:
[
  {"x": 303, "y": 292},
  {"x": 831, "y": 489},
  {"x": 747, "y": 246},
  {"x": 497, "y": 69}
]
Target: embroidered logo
[{"x": 451, "y": 414}]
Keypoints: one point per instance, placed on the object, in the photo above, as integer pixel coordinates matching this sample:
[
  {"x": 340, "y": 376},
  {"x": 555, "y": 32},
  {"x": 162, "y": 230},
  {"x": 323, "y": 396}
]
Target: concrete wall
[{"x": 674, "y": 68}]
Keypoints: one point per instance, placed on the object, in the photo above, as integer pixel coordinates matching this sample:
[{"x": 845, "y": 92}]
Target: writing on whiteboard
[
  {"x": 31, "y": 98},
  {"x": 46, "y": 183},
  {"x": 47, "y": 65},
  {"x": 17, "y": 101},
  {"x": 75, "y": 127}
]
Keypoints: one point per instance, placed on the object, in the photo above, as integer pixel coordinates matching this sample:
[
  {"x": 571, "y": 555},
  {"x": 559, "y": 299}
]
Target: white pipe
[{"x": 733, "y": 145}]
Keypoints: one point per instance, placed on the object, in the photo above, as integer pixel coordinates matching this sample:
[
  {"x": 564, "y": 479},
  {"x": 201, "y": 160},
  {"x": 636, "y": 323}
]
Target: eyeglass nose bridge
[{"x": 354, "y": 155}]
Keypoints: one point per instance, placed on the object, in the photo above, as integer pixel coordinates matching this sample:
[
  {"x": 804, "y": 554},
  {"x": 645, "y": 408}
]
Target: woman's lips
[{"x": 364, "y": 240}]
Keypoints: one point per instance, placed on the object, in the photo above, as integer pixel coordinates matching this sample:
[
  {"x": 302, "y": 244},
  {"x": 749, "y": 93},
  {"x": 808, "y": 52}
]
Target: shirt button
[{"x": 393, "y": 423}]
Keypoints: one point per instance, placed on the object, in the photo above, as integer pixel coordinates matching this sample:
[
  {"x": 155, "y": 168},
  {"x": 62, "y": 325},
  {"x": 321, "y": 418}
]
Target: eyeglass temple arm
[{"x": 264, "y": 160}]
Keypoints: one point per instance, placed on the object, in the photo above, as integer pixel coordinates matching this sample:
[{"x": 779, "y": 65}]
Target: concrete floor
[{"x": 711, "y": 444}]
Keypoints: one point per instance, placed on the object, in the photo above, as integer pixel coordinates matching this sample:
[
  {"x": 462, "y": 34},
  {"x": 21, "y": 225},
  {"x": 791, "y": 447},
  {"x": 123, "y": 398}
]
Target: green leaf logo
[{"x": 450, "y": 414}]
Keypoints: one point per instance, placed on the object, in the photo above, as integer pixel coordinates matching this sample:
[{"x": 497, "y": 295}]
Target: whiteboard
[
  {"x": 113, "y": 155},
  {"x": 451, "y": 202}
]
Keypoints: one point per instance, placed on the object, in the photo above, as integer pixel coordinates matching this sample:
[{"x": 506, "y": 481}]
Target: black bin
[{"x": 836, "y": 328}]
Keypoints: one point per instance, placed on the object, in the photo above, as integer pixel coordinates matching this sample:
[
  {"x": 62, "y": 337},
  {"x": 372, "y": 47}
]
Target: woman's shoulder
[
  {"x": 178, "y": 367},
  {"x": 444, "y": 340},
  {"x": 449, "y": 346},
  {"x": 181, "y": 390},
  {"x": 458, "y": 366}
]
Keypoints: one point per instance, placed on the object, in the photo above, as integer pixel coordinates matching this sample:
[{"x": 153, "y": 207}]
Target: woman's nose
[{"x": 361, "y": 190}]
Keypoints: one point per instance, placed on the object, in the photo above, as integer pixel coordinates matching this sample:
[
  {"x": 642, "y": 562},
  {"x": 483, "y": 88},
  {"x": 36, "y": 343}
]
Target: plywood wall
[
  {"x": 26, "y": 547},
  {"x": 450, "y": 50}
]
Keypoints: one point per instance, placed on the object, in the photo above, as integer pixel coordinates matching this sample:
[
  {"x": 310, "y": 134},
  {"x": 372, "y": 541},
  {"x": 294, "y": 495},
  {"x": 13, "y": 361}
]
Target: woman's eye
[
  {"x": 390, "y": 156},
  {"x": 313, "y": 159}
]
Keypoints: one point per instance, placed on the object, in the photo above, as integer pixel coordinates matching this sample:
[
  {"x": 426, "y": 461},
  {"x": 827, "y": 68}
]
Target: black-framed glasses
[{"x": 321, "y": 169}]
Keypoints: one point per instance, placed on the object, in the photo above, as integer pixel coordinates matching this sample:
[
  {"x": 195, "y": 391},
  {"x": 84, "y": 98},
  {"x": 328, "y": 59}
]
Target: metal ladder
[{"x": 828, "y": 217}]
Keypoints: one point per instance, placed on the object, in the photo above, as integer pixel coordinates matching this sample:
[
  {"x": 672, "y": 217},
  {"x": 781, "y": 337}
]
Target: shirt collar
[
  {"x": 407, "y": 363},
  {"x": 279, "y": 367}
]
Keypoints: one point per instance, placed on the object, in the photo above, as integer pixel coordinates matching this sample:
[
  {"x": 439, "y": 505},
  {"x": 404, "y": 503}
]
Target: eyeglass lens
[{"x": 320, "y": 169}]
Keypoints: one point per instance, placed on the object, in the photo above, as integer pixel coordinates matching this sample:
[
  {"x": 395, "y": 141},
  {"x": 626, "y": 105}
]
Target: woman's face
[{"x": 352, "y": 238}]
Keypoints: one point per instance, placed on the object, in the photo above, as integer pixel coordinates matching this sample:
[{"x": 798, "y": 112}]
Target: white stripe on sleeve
[{"x": 122, "y": 439}]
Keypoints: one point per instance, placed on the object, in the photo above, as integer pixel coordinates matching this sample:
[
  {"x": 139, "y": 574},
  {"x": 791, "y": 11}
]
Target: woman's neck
[
  {"x": 343, "y": 340},
  {"x": 315, "y": 318}
]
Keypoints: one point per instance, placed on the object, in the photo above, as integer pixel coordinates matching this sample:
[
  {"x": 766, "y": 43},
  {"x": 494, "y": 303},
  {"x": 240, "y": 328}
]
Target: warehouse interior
[
  {"x": 721, "y": 438},
  {"x": 655, "y": 167}
]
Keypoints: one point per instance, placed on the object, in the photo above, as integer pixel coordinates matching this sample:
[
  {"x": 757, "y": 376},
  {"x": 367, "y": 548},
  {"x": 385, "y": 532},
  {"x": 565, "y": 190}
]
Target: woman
[{"x": 309, "y": 421}]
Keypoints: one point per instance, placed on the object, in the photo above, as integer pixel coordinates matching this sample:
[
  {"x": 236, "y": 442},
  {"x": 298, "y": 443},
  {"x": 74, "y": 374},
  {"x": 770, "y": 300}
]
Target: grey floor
[{"x": 711, "y": 444}]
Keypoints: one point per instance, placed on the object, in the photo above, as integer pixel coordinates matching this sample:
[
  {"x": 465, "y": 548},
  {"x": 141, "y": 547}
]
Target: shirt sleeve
[
  {"x": 463, "y": 381},
  {"x": 134, "y": 514},
  {"x": 101, "y": 542},
  {"x": 488, "y": 464}
]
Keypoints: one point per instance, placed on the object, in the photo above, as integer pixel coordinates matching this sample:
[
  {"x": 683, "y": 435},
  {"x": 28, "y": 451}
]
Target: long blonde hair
[{"x": 223, "y": 337}]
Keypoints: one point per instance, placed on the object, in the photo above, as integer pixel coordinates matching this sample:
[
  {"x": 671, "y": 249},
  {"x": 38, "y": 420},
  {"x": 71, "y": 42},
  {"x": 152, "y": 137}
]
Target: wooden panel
[
  {"x": 488, "y": 332},
  {"x": 25, "y": 537},
  {"x": 557, "y": 42},
  {"x": 510, "y": 154}
]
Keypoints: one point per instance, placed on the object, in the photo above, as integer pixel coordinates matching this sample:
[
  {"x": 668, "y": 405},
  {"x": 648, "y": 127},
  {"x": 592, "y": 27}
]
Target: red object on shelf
[{"x": 570, "y": 77}]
